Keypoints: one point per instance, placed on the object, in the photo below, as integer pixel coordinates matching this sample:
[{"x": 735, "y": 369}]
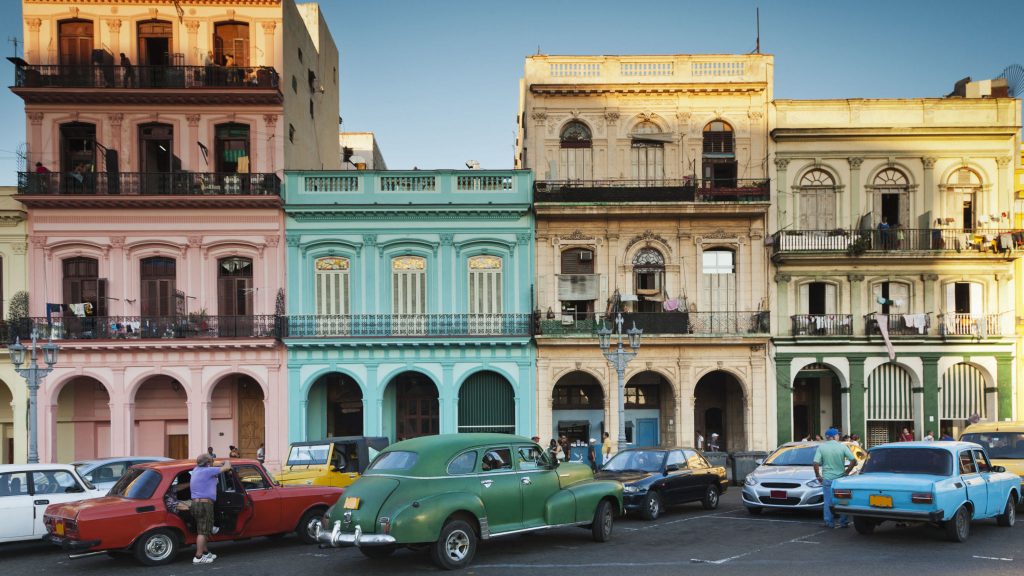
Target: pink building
[{"x": 154, "y": 215}]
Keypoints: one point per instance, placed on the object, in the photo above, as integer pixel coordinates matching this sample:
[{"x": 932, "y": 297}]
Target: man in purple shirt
[{"x": 204, "y": 493}]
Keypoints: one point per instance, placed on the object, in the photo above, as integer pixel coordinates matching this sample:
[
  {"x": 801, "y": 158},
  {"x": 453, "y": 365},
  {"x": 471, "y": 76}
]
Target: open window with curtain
[
  {"x": 649, "y": 280},
  {"x": 231, "y": 147},
  {"x": 719, "y": 155}
]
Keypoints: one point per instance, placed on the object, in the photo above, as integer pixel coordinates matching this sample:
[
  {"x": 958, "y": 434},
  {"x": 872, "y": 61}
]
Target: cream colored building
[
  {"x": 362, "y": 151},
  {"x": 13, "y": 278},
  {"x": 651, "y": 200}
]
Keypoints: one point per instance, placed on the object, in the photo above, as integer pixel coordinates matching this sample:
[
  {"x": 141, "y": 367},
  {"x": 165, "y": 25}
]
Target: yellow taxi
[
  {"x": 1004, "y": 442},
  {"x": 336, "y": 461}
]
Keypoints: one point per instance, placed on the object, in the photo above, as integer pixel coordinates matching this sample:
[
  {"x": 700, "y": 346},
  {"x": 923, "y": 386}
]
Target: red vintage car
[{"x": 138, "y": 517}]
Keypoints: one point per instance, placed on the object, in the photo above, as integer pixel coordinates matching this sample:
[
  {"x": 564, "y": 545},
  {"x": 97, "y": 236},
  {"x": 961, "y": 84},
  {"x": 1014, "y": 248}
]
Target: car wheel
[
  {"x": 156, "y": 548},
  {"x": 651, "y": 508},
  {"x": 958, "y": 528},
  {"x": 754, "y": 511},
  {"x": 710, "y": 501},
  {"x": 604, "y": 516},
  {"x": 376, "y": 552},
  {"x": 863, "y": 526},
  {"x": 456, "y": 546},
  {"x": 1009, "y": 516},
  {"x": 307, "y": 525}
]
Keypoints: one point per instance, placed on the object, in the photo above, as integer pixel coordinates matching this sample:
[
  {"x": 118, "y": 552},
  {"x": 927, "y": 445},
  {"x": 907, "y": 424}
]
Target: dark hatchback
[{"x": 658, "y": 477}]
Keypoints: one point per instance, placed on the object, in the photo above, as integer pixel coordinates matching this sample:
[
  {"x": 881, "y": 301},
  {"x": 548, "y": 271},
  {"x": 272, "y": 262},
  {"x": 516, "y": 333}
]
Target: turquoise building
[{"x": 409, "y": 307}]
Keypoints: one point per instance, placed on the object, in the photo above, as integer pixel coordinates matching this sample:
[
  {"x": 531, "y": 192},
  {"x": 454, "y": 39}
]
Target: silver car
[
  {"x": 103, "y": 473},
  {"x": 785, "y": 480}
]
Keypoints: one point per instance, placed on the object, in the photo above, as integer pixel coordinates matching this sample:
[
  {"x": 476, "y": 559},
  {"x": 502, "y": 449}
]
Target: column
[
  {"x": 929, "y": 299},
  {"x": 270, "y": 160},
  {"x": 535, "y": 153},
  {"x": 526, "y": 395},
  {"x": 545, "y": 424},
  {"x": 784, "y": 400},
  {"x": 297, "y": 405},
  {"x": 929, "y": 208},
  {"x": 782, "y": 198},
  {"x": 446, "y": 277},
  {"x": 929, "y": 418},
  {"x": 855, "y": 191},
  {"x": 114, "y": 27},
  {"x": 37, "y": 151},
  {"x": 611, "y": 162},
  {"x": 782, "y": 314},
  {"x": 684, "y": 406},
  {"x": 375, "y": 269},
  {"x": 198, "y": 426},
  {"x": 447, "y": 402},
  {"x": 1004, "y": 382},
  {"x": 857, "y": 423},
  {"x": 524, "y": 267},
  {"x": 195, "y": 54},
  {"x": 269, "y": 47},
  {"x": 1004, "y": 188},
  {"x": 32, "y": 55},
  {"x": 757, "y": 432},
  {"x": 373, "y": 404},
  {"x": 857, "y": 303}
]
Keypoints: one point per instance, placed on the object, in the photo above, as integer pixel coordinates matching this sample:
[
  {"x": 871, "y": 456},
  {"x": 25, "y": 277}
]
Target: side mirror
[
  {"x": 998, "y": 469},
  {"x": 671, "y": 468},
  {"x": 334, "y": 468},
  {"x": 759, "y": 461},
  {"x": 74, "y": 490}
]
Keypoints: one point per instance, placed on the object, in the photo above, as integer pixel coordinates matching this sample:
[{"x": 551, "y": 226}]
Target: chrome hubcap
[
  {"x": 712, "y": 496},
  {"x": 653, "y": 506},
  {"x": 457, "y": 545},
  {"x": 158, "y": 547},
  {"x": 312, "y": 527},
  {"x": 606, "y": 521}
]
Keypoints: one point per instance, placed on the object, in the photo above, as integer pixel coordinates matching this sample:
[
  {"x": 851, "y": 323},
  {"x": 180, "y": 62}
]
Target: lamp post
[
  {"x": 619, "y": 358},
  {"x": 33, "y": 375}
]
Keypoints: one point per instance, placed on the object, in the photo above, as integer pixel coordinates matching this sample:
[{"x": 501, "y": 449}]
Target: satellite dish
[{"x": 1014, "y": 74}]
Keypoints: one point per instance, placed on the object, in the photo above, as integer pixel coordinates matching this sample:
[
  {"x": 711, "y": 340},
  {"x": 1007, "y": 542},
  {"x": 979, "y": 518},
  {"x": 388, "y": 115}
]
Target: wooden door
[
  {"x": 177, "y": 446},
  {"x": 250, "y": 419}
]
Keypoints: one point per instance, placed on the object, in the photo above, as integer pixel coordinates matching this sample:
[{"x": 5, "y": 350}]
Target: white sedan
[
  {"x": 105, "y": 472},
  {"x": 27, "y": 489}
]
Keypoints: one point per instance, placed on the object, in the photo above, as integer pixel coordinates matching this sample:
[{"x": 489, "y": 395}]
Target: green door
[
  {"x": 499, "y": 490},
  {"x": 487, "y": 404}
]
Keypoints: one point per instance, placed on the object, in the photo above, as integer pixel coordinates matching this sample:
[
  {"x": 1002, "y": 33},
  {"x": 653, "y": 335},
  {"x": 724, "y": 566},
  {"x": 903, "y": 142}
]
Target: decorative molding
[
  {"x": 1003, "y": 161},
  {"x": 523, "y": 238},
  {"x": 611, "y": 118},
  {"x": 648, "y": 237},
  {"x": 272, "y": 240},
  {"x": 116, "y": 119},
  {"x": 781, "y": 163},
  {"x": 408, "y": 214},
  {"x": 193, "y": 120},
  {"x": 270, "y": 120},
  {"x": 370, "y": 240},
  {"x": 33, "y": 24},
  {"x": 719, "y": 235},
  {"x": 292, "y": 239},
  {"x": 192, "y": 26},
  {"x": 38, "y": 242},
  {"x": 117, "y": 242},
  {"x": 114, "y": 25},
  {"x": 539, "y": 117},
  {"x": 485, "y": 262},
  {"x": 446, "y": 238},
  {"x": 783, "y": 277},
  {"x": 855, "y": 162},
  {"x": 855, "y": 277},
  {"x": 929, "y": 277},
  {"x": 929, "y": 162},
  {"x": 19, "y": 248},
  {"x": 755, "y": 115},
  {"x": 36, "y": 118},
  {"x": 576, "y": 234},
  {"x": 409, "y": 263},
  {"x": 195, "y": 241},
  {"x": 269, "y": 26}
]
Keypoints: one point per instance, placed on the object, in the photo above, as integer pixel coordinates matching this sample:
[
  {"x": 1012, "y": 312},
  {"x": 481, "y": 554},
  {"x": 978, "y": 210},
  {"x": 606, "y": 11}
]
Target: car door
[
  {"x": 16, "y": 507},
  {"x": 977, "y": 490},
  {"x": 232, "y": 510},
  {"x": 265, "y": 499},
  {"x": 538, "y": 480},
  {"x": 52, "y": 487},
  {"x": 500, "y": 490},
  {"x": 701, "y": 474},
  {"x": 994, "y": 497},
  {"x": 676, "y": 481}
]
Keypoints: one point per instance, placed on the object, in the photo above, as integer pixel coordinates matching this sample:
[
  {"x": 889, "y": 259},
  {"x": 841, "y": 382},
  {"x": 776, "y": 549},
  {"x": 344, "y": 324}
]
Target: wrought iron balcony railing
[
  {"x": 652, "y": 190},
  {"x": 663, "y": 323},
  {"x": 144, "y": 327},
  {"x": 822, "y": 325},
  {"x": 855, "y": 242},
  {"x": 898, "y": 324},
  {"x": 149, "y": 183},
  {"x": 145, "y": 77},
  {"x": 405, "y": 325},
  {"x": 976, "y": 325}
]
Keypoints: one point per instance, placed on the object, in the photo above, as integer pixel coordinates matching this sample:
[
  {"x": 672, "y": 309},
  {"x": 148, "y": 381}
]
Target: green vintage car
[{"x": 448, "y": 492}]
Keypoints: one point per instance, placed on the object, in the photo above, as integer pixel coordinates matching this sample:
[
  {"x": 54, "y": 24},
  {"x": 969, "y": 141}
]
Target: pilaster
[
  {"x": 857, "y": 423},
  {"x": 784, "y": 402},
  {"x": 783, "y": 200},
  {"x": 855, "y": 209}
]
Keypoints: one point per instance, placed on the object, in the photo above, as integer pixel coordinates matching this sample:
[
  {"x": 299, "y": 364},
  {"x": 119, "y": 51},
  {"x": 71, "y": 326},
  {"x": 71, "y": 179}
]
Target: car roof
[
  {"x": 339, "y": 439},
  {"x": 949, "y": 445},
  {"x": 101, "y": 461},
  {"x": 7, "y": 468},
  {"x": 454, "y": 442},
  {"x": 1017, "y": 426},
  {"x": 658, "y": 448},
  {"x": 179, "y": 465}
]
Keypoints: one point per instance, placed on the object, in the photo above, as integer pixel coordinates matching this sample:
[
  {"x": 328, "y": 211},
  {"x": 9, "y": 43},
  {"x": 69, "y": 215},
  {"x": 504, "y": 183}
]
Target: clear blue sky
[{"x": 437, "y": 80}]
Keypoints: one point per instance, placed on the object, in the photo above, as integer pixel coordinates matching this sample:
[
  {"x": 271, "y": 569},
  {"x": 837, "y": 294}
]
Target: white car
[
  {"x": 27, "y": 489},
  {"x": 105, "y": 472}
]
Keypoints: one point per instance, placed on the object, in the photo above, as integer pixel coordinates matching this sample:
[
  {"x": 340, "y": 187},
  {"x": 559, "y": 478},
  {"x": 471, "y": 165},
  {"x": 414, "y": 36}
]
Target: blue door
[{"x": 647, "y": 432}]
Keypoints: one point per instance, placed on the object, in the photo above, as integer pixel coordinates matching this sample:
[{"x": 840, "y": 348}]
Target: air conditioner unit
[{"x": 586, "y": 256}]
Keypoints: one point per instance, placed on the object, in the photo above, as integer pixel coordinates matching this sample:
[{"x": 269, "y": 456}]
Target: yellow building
[{"x": 13, "y": 275}]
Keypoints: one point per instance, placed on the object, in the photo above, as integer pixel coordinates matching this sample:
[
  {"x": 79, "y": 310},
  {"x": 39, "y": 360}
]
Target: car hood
[
  {"x": 299, "y": 475},
  {"x": 794, "y": 473},
  {"x": 1015, "y": 465},
  {"x": 74, "y": 509},
  {"x": 572, "y": 473},
  {"x": 626, "y": 477}
]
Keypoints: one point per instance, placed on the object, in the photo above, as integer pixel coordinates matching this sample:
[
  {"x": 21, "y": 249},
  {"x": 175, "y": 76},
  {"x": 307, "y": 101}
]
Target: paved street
[{"x": 726, "y": 541}]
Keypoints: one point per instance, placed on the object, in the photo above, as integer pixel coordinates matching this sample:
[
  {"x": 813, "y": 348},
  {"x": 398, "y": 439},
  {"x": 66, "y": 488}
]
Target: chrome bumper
[{"x": 336, "y": 538}]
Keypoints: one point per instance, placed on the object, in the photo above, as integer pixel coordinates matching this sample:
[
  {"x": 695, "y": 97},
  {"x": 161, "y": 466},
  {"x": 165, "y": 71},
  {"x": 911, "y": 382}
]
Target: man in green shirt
[{"x": 832, "y": 460}]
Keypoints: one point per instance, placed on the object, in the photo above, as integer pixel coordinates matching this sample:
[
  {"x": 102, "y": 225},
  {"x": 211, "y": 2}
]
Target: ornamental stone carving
[
  {"x": 270, "y": 120},
  {"x": 370, "y": 239},
  {"x": 192, "y": 26},
  {"x": 783, "y": 277},
  {"x": 447, "y": 239},
  {"x": 855, "y": 162},
  {"x": 611, "y": 118},
  {"x": 929, "y": 162},
  {"x": 269, "y": 27},
  {"x": 781, "y": 163},
  {"x": 719, "y": 235},
  {"x": 855, "y": 277},
  {"x": 33, "y": 24},
  {"x": 36, "y": 118},
  {"x": 1003, "y": 161},
  {"x": 539, "y": 117},
  {"x": 929, "y": 277},
  {"x": 193, "y": 120},
  {"x": 19, "y": 248},
  {"x": 117, "y": 242},
  {"x": 292, "y": 240},
  {"x": 116, "y": 119},
  {"x": 195, "y": 241},
  {"x": 272, "y": 240},
  {"x": 523, "y": 238},
  {"x": 648, "y": 237},
  {"x": 577, "y": 235},
  {"x": 755, "y": 115}
]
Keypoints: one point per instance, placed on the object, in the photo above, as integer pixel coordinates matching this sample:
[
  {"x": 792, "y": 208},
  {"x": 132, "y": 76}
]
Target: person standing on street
[
  {"x": 555, "y": 450},
  {"x": 832, "y": 460},
  {"x": 606, "y": 447},
  {"x": 204, "y": 493},
  {"x": 261, "y": 453},
  {"x": 233, "y": 452},
  {"x": 209, "y": 452},
  {"x": 563, "y": 442},
  {"x": 699, "y": 441},
  {"x": 592, "y": 454}
]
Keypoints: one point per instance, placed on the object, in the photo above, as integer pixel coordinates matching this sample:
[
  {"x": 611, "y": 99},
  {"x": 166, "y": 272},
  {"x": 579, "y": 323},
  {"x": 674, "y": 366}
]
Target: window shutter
[
  {"x": 900, "y": 294},
  {"x": 830, "y": 299},
  {"x": 827, "y": 209},
  {"x": 805, "y": 298},
  {"x": 977, "y": 307},
  {"x": 951, "y": 298},
  {"x": 101, "y": 298},
  {"x": 876, "y": 293}
]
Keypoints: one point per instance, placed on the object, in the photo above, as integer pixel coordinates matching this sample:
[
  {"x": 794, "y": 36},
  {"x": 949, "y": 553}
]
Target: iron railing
[
  {"x": 695, "y": 323},
  {"x": 822, "y": 324},
  {"x": 149, "y": 183},
  {"x": 145, "y": 77},
  {"x": 976, "y": 325},
  {"x": 145, "y": 327},
  {"x": 405, "y": 325},
  {"x": 898, "y": 324},
  {"x": 652, "y": 190},
  {"x": 854, "y": 242}
]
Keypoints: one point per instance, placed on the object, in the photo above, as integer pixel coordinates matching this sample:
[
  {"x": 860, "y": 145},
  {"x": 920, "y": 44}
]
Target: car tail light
[
  {"x": 385, "y": 525},
  {"x": 921, "y": 498},
  {"x": 839, "y": 493}
]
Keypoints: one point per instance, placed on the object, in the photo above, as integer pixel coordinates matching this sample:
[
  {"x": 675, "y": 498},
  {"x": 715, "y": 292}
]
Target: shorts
[{"x": 202, "y": 511}]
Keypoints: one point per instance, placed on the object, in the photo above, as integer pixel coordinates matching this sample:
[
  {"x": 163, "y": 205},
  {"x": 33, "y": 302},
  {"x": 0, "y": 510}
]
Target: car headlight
[
  {"x": 813, "y": 483},
  {"x": 630, "y": 489},
  {"x": 750, "y": 480}
]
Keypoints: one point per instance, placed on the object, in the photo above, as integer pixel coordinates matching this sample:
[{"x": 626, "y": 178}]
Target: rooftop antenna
[
  {"x": 757, "y": 46},
  {"x": 538, "y": 49},
  {"x": 13, "y": 40}
]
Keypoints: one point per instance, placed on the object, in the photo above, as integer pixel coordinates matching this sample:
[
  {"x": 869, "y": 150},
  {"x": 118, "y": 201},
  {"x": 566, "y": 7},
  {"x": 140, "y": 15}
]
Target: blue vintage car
[{"x": 947, "y": 483}]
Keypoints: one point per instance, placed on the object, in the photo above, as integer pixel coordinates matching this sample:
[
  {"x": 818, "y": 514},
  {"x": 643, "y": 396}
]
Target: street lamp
[
  {"x": 33, "y": 376},
  {"x": 619, "y": 358}
]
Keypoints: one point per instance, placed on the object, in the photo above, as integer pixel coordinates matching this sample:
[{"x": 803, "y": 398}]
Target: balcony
[
  {"x": 104, "y": 84},
  {"x": 708, "y": 191},
  {"x": 897, "y": 241},
  {"x": 822, "y": 324},
  {"x": 406, "y": 326},
  {"x": 663, "y": 323},
  {"x": 898, "y": 324},
  {"x": 192, "y": 326},
  {"x": 978, "y": 326},
  {"x": 149, "y": 189}
]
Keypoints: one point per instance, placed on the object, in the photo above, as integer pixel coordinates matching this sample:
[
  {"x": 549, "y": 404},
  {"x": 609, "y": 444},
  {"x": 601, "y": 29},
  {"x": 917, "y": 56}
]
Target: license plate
[
  {"x": 352, "y": 503},
  {"x": 781, "y": 494},
  {"x": 880, "y": 501},
  {"x": 59, "y": 528}
]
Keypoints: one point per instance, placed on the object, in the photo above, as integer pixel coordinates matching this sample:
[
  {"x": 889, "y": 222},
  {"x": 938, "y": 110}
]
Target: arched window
[
  {"x": 155, "y": 42},
  {"x": 649, "y": 279},
  {"x": 891, "y": 193},
  {"x": 817, "y": 200},
  {"x": 331, "y": 286},
  {"x": 648, "y": 156},
  {"x": 719, "y": 157},
  {"x": 719, "y": 279},
  {"x": 76, "y": 42},
  {"x": 963, "y": 187},
  {"x": 575, "y": 158}
]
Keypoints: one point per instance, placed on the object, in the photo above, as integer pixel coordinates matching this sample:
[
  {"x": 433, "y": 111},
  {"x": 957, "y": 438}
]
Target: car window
[
  {"x": 982, "y": 461},
  {"x": 351, "y": 457},
  {"x": 13, "y": 484},
  {"x": 1008, "y": 445},
  {"x": 464, "y": 463},
  {"x": 530, "y": 457},
  {"x": 931, "y": 461},
  {"x": 695, "y": 460},
  {"x": 308, "y": 455},
  {"x": 54, "y": 482},
  {"x": 636, "y": 461},
  {"x": 393, "y": 461},
  {"x": 967, "y": 463},
  {"x": 801, "y": 455},
  {"x": 676, "y": 457},
  {"x": 137, "y": 484},
  {"x": 109, "y": 472},
  {"x": 496, "y": 459},
  {"x": 251, "y": 478}
]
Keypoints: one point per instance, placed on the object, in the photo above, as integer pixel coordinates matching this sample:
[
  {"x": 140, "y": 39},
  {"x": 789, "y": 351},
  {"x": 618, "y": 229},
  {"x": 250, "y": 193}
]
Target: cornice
[
  {"x": 961, "y": 132},
  {"x": 152, "y": 97},
  {"x": 407, "y": 343},
  {"x": 323, "y": 213},
  {"x": 694, "y": 88},
  {"x": 230, "y": 3}
]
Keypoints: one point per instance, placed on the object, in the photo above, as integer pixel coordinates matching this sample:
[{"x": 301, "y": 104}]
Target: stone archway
[
  {"x": 577, "y": 407},
  {"x": 82, "y": 424},
  {"x": 487, "y": 404},
  {"x": 334, "y": 407},
  {"x": 161, "y": 418},
  {"x": 817, "y": 402},
  {"x": 411, "y": 398},
  {"x": 650, "y": 410},
  {"x": 719, "y": 407},
  {"x": 237, "y": 416},
  {"x": 6, "y": 424}
]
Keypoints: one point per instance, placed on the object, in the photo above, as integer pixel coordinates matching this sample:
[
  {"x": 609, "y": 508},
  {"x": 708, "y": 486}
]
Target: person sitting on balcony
[
  {"x": 40, "y": 169},
  {"x": 129, "y": 72}
]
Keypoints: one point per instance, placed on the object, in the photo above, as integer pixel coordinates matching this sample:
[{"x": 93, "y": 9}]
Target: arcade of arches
[{"x": 6, "y": 424}]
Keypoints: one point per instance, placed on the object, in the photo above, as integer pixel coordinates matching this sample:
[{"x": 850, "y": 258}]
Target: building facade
[
  {"x": 13, "y": 279},
  {"x": 409, "y": 306},
  {"x": 652, "y": 200},
  {"x": 157, "y": 138},
  {"x": 359, "y": 151}
]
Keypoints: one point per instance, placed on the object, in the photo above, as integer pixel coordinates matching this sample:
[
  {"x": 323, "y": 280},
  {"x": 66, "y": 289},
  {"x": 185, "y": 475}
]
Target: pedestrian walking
[
  {"x": 233, "y": 452},
  {"x": 555, "y": 450},
  {"x": 606, "y": 447},
  {"x": 261, "y": 453},
  {"x": 713, "y": 443},
  {"x": 832, "y": 460},
  {"x": 203, "y": 486},
  {"x": 592, "y": 454},
  {"x": 563, "y": 443},
  {"x": 698, "y": 441},
  {"x": 209, "y": 452}
]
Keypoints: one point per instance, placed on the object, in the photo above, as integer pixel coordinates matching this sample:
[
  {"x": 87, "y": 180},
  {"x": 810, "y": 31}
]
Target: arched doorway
[
  {"x": 83, "y": 421},
  {"x": 415, "y": 408},
  {"x": 719, "y": 408},
  {"x": 161, "y": 418},
  {"x": 890, "y": 404},
  {"x": 649, "y": 410},
  {"x": 487, "y": 404},
  {"x": 817, "y": 402},
  {"x": 6, "y": 424},
  {"x": 962, "y": 398},
  {"x": 577, "y": 407},
  {"x": 237, "y": 417},
  {"x": 334, "y": 407}
]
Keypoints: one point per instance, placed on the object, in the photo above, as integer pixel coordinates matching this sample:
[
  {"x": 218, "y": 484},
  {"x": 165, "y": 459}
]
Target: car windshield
[
  {"x": 931, "y": 461},
  {"x": 392, "y": 461},
  {"x": 137, "y": 484},
  {"x": 998, "y": 444},
  {"x": 636, "y": 461},
  {"x": 795, "y": 456},
  {"x": 315, "y": 455}
]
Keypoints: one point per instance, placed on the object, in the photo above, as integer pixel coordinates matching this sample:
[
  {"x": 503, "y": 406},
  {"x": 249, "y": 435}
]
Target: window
[
  {"x": 108, "y": 472},
  {"x": 719, "y": 273},
  {"x": 981, "y": 461},
  {"x": 891, "y": 297},
  {"x": 649, "y": 279},
  {"x": 967, "y": 463},
  {"x": 76, "y": 42},
  {"x": 291, "y": 134},
  {"x": 156, "y": 151},
  {"x": 890, "y": 190},
  {"x": 963, "y": 187},
  {"x": 54, "y": 482},
  {"x": 695, "y": 460},
  {"x": 295, "y": 85},
  {"x": 964, "y": 298},
  {"x": 576, "y": 160},
  {"x": 930, "y": 461},
  {"x": 648, "y": 153},
  {"x": 234, "y": 286},
  {"x": 251, "y": 478},
  {"x": 155, "y": 43},
  {"x": 231, "y": 43},
  {"x": 642, "y": 396},
  {"x": 300, "y": 54},
  {"x": 464, "y": 463},
  {"x": 331, "y": 286},
  {"x": 719, "y": 155},
  {"x": 817, "y": 200},
  {"x": 82, "y": 284},
  {"x": 675, "y": 457},
  {"x": 231, "y": 147},
  {"x": 13, "y": 484},
  {"x": 77, "y": 147},
  {"x": 485, "y": 285},
  {"x": 497, "y": 459},
  {"x": 398, "y": 460},
  {"x": 408, "y": 285},
  {"x": 569, "y": 397},
  {"x": 158, "y": 281},
  {"x": 530, "y": 457}
]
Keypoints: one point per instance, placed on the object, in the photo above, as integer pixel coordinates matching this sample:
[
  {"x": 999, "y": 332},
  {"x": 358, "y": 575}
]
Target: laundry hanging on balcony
[{"x": 883, "y": 328}]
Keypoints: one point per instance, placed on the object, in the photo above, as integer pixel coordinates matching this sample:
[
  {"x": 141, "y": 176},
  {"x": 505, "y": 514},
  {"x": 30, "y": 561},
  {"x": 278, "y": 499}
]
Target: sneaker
[
  {"x": 201, "y": 559},
  {"x": 827, "y": 525},
  {"x": 214, "y": 530},
  {"x": 211, "y": 556},
  {"x": 843, "y": 525}
]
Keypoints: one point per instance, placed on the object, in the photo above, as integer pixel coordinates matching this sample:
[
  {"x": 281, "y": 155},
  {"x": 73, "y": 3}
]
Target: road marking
[
  {"x": 768, "y": 520},
  {"x": 677, "y": 521},
  {"x": 798, "y": 539},
  {"x": 993, "y": 558}
]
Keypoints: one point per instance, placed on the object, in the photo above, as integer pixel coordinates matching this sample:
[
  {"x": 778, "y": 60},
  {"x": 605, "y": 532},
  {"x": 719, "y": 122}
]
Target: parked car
[
  {"x": 105, "y": 472},
  {"x": 450, "y": 491},
  {"x": 27, "y": 489},
  {"x": 654, "y": 478},
  {"x": 336, "y": 461},
  {"x": 1004, "y": 442},
  {"x": 947, "y": 483},
  {"x": 785, "y": 479},
  {"x": 135, "y": 516}
]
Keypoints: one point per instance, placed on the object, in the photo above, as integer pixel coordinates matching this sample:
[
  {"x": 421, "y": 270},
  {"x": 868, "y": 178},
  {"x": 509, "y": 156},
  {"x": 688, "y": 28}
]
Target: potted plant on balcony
[
  {"x": 858, "y": 246},
  {"x": 197, "y": 323}
]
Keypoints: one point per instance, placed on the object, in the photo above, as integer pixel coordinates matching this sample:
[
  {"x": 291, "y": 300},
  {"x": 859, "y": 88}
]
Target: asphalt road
[{"x": 721, "y": 542}]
